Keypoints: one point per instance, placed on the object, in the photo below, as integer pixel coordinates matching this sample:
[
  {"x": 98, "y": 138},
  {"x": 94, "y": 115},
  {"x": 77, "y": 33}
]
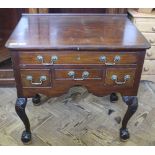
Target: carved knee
[
  {"x": 20, "y": 104},
  {"x": 132, "y": 102}
]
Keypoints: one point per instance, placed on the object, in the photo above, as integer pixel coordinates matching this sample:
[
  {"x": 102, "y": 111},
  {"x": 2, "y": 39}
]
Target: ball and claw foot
[
  {"x": 124, "y": 134},
  {"x": 20, "y": 110},
  {"x": 36, "y": 100},
  {"x": 26, "y": 137},
  {"x": 132, "y": 102},
  {"x": 113, "y": 98}
]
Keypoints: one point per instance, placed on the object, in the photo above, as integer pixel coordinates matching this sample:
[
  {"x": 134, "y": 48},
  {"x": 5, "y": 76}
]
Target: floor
[{"x": 79, "y": 118}]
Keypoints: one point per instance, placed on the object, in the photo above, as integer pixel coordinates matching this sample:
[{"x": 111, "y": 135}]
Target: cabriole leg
[
  {"x": 20, "y": 110},
  {"x": 132, "y": 103}
]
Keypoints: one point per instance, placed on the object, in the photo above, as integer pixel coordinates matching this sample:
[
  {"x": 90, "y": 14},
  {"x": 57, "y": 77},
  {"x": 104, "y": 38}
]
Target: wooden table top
[{"x": 76, "y": 32}]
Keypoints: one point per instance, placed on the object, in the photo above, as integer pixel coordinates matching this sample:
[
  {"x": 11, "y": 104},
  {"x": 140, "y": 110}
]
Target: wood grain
[
  {"x": 36, "y": 74},
  {"x": 120, "y": 73},
  {"x": 76, "y": 31},
  {"x": 81, "y": 57},
  {"x": 62, "y": 74},
  {"x": 88, "y": 38}
]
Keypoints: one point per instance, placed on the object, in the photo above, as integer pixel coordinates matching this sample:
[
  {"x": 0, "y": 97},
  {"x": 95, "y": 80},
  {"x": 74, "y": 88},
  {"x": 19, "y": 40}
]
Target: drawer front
[
  {"x": 149, "y": 67},
  {"x": 35, "y": 78},
  {"x": 123, "y": 77},
  {"x": 150, "y": 37},
  {"x": 150, "y": 54},
  {"x": 74, "y": 57},
  {"x": 78, "y": 74},
  {"x": 146, "y": 26}
]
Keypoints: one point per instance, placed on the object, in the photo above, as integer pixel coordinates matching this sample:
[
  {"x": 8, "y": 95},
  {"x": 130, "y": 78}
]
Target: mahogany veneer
[{"x": 52, "y": 53}]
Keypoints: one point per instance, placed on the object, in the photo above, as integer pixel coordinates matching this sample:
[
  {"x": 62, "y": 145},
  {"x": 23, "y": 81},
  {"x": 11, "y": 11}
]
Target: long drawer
[{"x": 75, "y": 57}]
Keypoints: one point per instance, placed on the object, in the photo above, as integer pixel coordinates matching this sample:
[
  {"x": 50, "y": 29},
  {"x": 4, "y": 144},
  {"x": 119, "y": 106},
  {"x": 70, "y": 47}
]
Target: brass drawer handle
[
  {"x": 85, "y": 75},
  {"x": 40, "y": 59},
  {"x": 30, "y": 78},
  {"x": 71, "y": 74},
  {"x": 54, "y": 58},
  {"x": 117, "y": 58},
  {"x": 114, "y": 78}
]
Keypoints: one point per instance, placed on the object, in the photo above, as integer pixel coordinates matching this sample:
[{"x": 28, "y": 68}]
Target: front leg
[
  {"x": 20, "y": 110},
  {"x": 132, "y": 103}
]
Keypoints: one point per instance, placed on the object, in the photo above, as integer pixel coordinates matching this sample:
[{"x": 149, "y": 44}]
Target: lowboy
[{"x": 54, "y": 52}]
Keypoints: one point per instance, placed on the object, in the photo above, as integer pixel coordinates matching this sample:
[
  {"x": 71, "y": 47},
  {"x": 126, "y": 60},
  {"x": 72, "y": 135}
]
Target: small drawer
[
  {"x": 35, "y": 78},
  {"x": 75, "y": 57},
  {"x": 123, "y": 77},
  {"x": 149, "y": 67},
  {"x": 78, "y": 74}
]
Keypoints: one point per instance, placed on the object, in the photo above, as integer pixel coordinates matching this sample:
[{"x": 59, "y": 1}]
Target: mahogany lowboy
[{"x": 52, "y": 53}]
